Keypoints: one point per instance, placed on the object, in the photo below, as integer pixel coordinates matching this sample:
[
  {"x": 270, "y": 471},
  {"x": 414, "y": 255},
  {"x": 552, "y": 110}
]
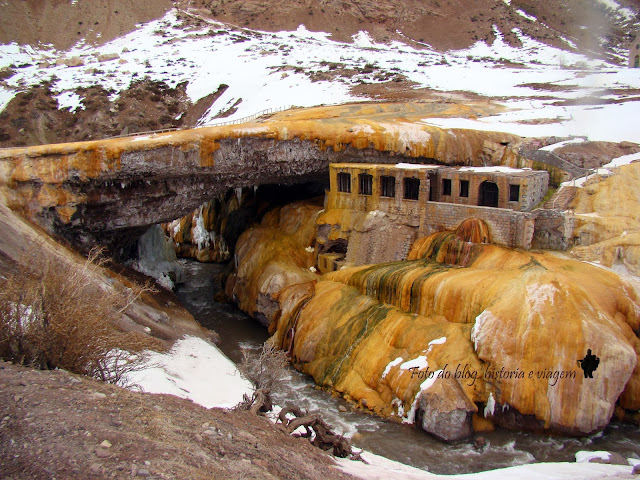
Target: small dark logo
[{"x": 589, "y": 364}]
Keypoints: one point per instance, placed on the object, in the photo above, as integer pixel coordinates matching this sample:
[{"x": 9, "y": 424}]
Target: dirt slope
[
  {"x": 52, "y": 425},
  {"x": 63, "y": 23},
  {"x": 442, "y": 24}
]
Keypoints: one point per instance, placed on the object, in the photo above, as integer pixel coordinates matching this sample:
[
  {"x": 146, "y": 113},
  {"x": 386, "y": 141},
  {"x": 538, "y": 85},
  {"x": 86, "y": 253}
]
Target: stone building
[
  {"x": 402, "y": 188},
  {"x": 399, "y": 203},
  {"x": 634, "y": 52}
]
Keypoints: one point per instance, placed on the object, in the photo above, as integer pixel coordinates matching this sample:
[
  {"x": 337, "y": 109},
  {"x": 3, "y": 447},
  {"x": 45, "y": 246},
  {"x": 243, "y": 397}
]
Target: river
[{"x": 399, "y": 442}]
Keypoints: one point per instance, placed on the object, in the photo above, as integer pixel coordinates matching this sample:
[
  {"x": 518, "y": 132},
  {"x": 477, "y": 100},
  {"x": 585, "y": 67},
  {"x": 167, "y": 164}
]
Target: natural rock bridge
[{"x": 109, "y": 191}]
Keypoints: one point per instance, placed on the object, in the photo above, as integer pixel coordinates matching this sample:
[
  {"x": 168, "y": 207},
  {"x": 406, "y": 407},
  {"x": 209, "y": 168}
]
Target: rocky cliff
[
  {"x": 458, "y": 332},
  {"x": 607, "y": 224},
  {"x": 158, "y": 315}
]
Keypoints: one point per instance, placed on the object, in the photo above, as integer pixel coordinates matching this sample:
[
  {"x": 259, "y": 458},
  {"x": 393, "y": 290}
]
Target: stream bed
[{"x": 400, "y": 442}]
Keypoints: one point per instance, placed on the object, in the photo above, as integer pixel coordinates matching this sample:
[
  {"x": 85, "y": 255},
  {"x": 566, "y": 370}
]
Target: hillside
[
  {"x": 443, "y": 25},
  {"x": 124, "y": 69}
]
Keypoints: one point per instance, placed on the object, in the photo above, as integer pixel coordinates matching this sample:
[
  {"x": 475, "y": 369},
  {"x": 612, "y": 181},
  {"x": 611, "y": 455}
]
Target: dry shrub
[
  {"x": 55, "y": 313},
  {"x": 265, "y": 369}
]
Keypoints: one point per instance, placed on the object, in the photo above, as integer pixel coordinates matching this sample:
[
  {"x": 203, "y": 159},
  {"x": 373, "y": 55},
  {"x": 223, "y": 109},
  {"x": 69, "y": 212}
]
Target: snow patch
[
  {"x": 524, "y": 14},
  {"x": 419, "y": 362},
  {"x": 381, "y": 468},
  {"x": 193, "y": 369},
  {"x": 413, "y": 166},
  {"x": 551, "y": 148},
  {"x": 611, "y": 122},
  {"x": 584, "y": 456},
  {"x": 69, "y": 100},
  {"x": 624, "y": 160},
  {"x": 363, "y": 39},
  {"x": 496, "y": 169},
  {"x": 390, "y": 365}
]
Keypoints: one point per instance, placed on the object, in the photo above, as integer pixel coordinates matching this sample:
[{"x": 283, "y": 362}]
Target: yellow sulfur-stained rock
[
  {"x": 458, "y": 329},
  {"x": 273, "y": 256},
  {"x": 607, "y": 219}
]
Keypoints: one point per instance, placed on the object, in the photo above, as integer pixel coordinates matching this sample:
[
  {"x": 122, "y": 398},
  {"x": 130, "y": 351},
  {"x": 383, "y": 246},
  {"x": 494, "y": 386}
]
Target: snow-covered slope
[{"x": 272, "y": 70}]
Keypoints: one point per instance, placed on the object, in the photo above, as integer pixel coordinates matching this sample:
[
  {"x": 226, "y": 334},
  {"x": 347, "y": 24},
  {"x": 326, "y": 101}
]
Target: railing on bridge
[{"x": 261, "y": 113}]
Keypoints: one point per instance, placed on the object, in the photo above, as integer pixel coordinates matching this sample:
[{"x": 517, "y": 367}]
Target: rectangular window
[
  {"x": 514, "y": 193},
  {"x": 344, "y": 182},
  {"x": 411, "y": 188},
  {"x": 366, "y": 183},
  {"x": 464, "y": 188},
  {"x": 387, "y": 186},
  {"x": 446, "y": 186}
]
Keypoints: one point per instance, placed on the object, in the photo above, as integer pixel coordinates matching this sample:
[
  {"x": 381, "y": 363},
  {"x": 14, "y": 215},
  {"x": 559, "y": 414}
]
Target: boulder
[
  {"x": 107, "y": 57},
  {"x": 445, "y": 411}
]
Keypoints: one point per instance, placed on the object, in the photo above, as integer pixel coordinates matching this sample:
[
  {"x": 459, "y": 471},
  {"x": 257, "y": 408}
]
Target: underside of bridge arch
[{"x": 155, "y": 186}]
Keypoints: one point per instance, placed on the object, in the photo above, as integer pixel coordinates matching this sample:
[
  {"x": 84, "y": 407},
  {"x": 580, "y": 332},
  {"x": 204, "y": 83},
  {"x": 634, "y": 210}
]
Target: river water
[{"x": 403, "y": 443}]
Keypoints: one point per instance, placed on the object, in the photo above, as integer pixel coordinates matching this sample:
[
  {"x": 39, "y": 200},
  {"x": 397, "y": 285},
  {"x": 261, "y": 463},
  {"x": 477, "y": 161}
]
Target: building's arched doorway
[{"x": 488, "y": 194}]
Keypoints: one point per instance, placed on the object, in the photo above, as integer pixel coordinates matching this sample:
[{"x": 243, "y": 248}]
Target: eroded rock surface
[{"x": 455, "y": 329}]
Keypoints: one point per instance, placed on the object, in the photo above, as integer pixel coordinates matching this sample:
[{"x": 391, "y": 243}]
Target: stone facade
[
  {"x": 514, "y": 189},
  {"x": 408, "y": 201},
  {"x": 407, "y": 188},
  {"x": 508, "y": 228}
]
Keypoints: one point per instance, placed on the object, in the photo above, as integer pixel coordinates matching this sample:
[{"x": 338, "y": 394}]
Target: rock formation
[
  {"x": 607, "y": 225},
  {"x": 157, "y": 315},
  {"x": 456, "y": 330},
  {"x": 111, "y": 191}
]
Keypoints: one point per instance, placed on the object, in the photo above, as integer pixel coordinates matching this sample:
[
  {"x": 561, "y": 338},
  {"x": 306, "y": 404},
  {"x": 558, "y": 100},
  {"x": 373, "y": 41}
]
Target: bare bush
[
  {"x": 54, "y": 313},
  {"x": 268, "y": 368},
  {"x": 265, "y": 370}
]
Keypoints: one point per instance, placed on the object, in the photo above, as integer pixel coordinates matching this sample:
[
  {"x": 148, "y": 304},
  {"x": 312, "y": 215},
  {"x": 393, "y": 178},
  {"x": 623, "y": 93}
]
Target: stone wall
[
  {"x": 553, "y": 230},
  {"x": 532, "y": 184},
  {"x": 398, "y": 221},
  {"x": 379, "y": 237},
  {"x": 396, "y": 205},
  {"x": 508, "y": 228}
]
